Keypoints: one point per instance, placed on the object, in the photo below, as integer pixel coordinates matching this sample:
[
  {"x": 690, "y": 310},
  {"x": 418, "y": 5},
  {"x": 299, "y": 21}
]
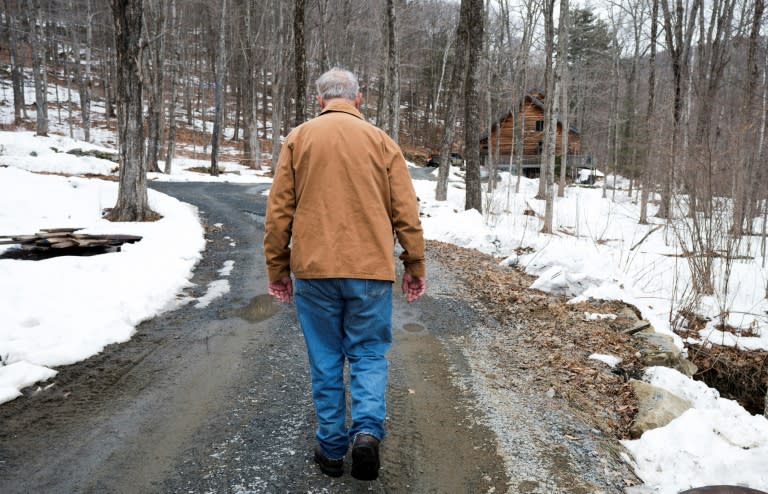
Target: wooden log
[
  {"x": 25, "y": 238},
  {"x": 64, "y": 244},
  {"x": 93, "y": 243},
  {"x": 60, "y": 230},
  {"x": 49, "y": 241}
]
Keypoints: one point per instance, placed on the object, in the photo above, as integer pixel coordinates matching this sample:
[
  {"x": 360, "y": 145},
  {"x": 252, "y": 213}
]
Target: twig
[{"x": 645, "y": 236}]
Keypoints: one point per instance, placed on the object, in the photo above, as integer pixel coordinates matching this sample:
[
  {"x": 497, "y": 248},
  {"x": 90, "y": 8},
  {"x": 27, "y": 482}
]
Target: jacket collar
[{"x": 341, "y": 105}]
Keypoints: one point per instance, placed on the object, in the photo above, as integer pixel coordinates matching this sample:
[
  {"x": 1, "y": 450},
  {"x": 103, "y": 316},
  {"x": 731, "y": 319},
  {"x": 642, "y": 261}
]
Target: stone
[
  {"x": 629, "y": 314},
  {"x": 656, "y": 408},
  {"x": 722, "y": 489},
  {"x": 660, "y": 349}
]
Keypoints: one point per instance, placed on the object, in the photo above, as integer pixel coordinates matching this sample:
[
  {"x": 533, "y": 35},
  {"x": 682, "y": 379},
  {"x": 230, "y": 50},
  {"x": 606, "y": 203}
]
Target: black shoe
[
  {"x": 332, "y": 468},
  {"x": 365, "y": 457}
]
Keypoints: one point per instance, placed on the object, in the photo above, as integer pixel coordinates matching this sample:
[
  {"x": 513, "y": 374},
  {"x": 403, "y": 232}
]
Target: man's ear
[
  {"x": 320, "y": 101},
  {"x": 358, "y": 100}
]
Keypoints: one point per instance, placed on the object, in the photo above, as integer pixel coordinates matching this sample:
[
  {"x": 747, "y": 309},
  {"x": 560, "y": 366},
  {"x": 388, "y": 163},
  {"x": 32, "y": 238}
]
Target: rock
[
  {"x": 656, "y": 408},
  {"x": 660, "y": 349},
  {"x": 95, "y": 153},
  {"x": 722, "y": 489},
  {"x": 639, "y": 326},
  {"x": 629, "y": 314}
]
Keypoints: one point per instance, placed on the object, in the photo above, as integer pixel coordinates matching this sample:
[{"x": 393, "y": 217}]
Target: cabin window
[{"x": 539, "y": 125}]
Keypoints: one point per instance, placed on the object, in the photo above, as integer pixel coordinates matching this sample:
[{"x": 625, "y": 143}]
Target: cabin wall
[{"x": 531, "y": 113}]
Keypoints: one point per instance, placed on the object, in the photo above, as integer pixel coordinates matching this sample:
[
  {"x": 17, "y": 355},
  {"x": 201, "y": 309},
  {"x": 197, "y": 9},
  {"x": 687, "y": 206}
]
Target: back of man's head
[{"x": 337, "y": 83}]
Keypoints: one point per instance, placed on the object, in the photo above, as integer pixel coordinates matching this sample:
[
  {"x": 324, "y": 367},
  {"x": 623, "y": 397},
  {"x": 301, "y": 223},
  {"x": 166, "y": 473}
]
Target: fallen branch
[{"x": 645, "y": 236}]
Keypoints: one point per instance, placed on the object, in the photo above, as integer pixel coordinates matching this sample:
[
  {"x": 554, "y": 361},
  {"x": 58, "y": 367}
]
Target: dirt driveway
[{"x": 216, "y": 399}]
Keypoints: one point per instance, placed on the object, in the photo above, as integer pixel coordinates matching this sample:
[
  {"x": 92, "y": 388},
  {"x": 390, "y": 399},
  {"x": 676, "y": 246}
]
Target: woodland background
[{"x": 671, "y": 94}]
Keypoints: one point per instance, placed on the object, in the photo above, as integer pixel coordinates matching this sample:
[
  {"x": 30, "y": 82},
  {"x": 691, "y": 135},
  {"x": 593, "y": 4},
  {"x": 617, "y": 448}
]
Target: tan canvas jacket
[{"x": 340, "y": 195}]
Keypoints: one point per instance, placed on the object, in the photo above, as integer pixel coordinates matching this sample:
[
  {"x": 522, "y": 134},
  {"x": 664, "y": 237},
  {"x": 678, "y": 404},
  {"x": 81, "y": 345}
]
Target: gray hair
[{"x": 337, "y": 83}]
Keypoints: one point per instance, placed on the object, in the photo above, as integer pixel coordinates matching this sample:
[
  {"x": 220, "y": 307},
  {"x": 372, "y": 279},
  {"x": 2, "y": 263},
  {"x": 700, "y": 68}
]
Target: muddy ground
[{"x": 490, "y": 388}]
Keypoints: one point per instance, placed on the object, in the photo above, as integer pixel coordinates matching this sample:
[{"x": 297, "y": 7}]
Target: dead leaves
[{"x": 555, "y": 341}]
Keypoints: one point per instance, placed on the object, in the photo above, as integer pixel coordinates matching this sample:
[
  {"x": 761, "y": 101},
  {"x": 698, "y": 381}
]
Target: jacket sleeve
[
  {"x": 405, "y": 216},
  {"x": 281, "y": 207}
]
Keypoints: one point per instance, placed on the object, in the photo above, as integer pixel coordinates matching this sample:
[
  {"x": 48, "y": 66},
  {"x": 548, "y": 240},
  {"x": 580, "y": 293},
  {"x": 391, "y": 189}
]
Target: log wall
[{"x": 531, "y": 113}]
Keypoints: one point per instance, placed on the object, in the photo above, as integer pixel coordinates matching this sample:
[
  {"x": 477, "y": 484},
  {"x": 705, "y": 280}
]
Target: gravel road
[{"x": 216, "y": 399}]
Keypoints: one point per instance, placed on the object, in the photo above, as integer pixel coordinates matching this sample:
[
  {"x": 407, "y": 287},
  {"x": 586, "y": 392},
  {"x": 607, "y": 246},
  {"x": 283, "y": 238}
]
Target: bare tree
[
  {"x": 391, "y": 120},
  {"x": 562, "y": 65},
  {"x": 173, "y": 48},
  {"x": 17, "y": 73},
  {"x": 474, "y": 196},
  {"x": 278, "y": 79},
  {"x": 154, "y": 55},
  {"x": 647, "y": 125},
  {"x": 550, "y": 119},
  {"x": 747, "y": 184},
  {"x": 221, "y": 68},
  {"x": 452, "y": 96},
  {"x": 39, "y": 70},
  {"x": 132, "y": 202},
  {"x": 300, "y": 60},
  {"x": 85, "y": 86},
  {"x": 678, "y": 30}
]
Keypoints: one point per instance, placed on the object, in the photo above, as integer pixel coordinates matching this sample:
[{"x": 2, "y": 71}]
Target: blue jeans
[{"x": 346, "y": 319}]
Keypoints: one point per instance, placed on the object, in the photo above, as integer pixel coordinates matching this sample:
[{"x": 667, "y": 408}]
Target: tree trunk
[
  {"x": 17, "y": 74},
  {"x": 300, "y": 60},
  {"x": 678, "y": 36},
  {"x": 155, "y": 26},
  {"x": 562, "y": 64},
  {"x": 221, "y": 68},
  {"x": 39, "y": 70},
  {"x": 647, "y": 127},
  {"x": 747, "y": 183},
  {"x": 277, "y": 86},
  {"x": 474, "y": 197},
  {"x": 391, "y": 118},
  {"x": 173, "y": 46},
  {"x": 109, "y": 96},
  {"x": 86, "y": 83},
  {"x": 550, "y": 118},
  {"x": 132, "y": 202},
  {"x": 451, "y": 104}
]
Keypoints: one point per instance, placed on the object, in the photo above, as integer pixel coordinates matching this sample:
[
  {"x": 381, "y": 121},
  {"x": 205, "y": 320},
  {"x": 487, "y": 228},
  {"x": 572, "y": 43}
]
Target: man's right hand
[
  {"x": 282, "y": 289},
  {"x": 413, "y": 287}
]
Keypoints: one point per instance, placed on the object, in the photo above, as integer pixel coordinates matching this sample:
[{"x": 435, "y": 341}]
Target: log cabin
[{"x": 532, "y": 113}]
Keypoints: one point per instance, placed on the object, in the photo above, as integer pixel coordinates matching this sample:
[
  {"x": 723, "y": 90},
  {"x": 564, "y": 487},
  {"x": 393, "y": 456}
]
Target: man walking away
[{"x": 341, "y": 190}]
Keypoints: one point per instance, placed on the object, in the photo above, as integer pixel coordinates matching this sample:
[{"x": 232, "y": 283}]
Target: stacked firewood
[{"x": 67, "y": 238}]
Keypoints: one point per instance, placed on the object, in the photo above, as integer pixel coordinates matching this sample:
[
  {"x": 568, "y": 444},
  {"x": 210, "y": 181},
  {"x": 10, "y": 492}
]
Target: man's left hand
[{"x": 282, "y": 289}]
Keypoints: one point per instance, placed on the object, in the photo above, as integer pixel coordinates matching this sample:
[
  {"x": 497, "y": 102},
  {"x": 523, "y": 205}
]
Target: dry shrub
[{"x": 738, "y": 375}]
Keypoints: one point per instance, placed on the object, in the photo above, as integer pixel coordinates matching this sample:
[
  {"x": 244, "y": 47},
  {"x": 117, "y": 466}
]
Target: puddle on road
[
  {"x": 412, "y": 327},
  {"x": 260, "y": 308}
]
